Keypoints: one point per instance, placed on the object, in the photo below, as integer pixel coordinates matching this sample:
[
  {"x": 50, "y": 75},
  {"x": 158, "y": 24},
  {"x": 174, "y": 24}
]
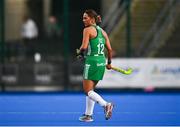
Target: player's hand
[
  {"x": 79, "y": 55},
  {"x": 108, "y": 66}
]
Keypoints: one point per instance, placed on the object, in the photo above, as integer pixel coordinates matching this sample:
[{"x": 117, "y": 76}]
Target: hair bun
[{"x": 99, "y": 19}]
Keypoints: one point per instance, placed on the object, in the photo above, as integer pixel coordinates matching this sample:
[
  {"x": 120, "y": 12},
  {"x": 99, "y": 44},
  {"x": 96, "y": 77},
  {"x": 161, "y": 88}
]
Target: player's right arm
[
  {"x": 86, "y": 37},
  {"x": 84, "y": 45},
  {"x": 109, "y": 49}
]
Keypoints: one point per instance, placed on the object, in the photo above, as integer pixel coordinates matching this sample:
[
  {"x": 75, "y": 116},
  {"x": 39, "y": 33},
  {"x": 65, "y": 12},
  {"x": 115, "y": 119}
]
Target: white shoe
[
  {"x": 108, "y": 110},
  {"x": 86, "y": 118}
]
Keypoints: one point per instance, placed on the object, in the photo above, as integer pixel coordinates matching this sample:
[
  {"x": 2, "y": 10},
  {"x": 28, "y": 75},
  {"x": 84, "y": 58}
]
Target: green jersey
[
  {"x": 95, "y": 60},
  {"x": 97, "y": 44}
]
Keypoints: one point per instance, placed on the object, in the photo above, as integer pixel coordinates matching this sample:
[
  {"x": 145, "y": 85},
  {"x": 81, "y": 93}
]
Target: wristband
[{"x": 109, "y": 61}]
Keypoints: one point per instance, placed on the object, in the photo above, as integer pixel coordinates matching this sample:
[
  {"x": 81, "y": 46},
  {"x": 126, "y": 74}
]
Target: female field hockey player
[{"x": 94, "y": 41}]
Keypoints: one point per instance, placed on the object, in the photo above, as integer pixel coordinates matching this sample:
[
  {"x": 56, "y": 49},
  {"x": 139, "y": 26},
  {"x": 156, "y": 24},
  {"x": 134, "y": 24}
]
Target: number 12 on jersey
[{"x": 100, "y": 48}]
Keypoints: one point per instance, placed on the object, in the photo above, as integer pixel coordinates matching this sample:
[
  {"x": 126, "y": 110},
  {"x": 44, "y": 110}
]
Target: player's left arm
[{"x": 109, "y": 49}]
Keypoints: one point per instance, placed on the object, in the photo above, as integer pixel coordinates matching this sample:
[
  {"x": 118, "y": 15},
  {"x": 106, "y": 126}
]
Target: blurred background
[{"x": 38, "y": 39}]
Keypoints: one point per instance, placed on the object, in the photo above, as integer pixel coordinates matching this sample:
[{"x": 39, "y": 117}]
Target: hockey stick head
[
  {"x": 128, "y": 71},
  {"x": 123, "y": 71}
]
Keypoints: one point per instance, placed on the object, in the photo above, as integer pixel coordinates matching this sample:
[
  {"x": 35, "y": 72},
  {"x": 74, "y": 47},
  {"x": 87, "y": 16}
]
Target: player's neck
[{"x": 93, "y": 24}]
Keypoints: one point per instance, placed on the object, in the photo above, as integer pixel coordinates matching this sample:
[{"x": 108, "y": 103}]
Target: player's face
[{"x": 87, "y": 20}]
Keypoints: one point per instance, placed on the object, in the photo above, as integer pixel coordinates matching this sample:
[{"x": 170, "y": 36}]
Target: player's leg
[
  {"x": 88, "y": 86},
  {"x": 89, "y": 106},
  {"x": 87, "y": 116}
]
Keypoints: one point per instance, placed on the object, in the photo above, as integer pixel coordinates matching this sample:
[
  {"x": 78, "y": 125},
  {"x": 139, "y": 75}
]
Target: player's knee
[
  {"x": 87, "y": 91},
  {"x": 90, "y": 92}
]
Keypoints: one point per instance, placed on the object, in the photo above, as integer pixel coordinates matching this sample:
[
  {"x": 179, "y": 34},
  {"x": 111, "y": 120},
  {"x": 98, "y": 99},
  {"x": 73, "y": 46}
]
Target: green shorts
[{"x": 94, "y": 68}]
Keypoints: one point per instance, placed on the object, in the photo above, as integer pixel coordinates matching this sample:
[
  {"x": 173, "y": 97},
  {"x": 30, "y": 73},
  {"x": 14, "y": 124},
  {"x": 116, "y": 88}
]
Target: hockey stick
[{"x": 126, "y": 72}]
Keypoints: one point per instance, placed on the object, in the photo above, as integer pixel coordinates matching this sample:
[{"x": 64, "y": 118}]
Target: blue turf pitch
[{"x": 60, "y": 109}]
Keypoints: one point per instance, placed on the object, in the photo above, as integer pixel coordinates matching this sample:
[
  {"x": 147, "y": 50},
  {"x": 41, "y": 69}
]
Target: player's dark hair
[{"x": 91, "y": 13}]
